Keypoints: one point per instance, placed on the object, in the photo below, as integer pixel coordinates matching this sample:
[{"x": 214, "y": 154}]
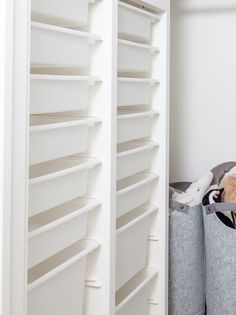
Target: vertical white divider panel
[
  {"x": 158, "y": 240},
  {"x": 100, "y": 288},
  {"x": 19, "y": 157},
  {"x": 6, "y": 35},
  {"x": 6, "y": 94}
]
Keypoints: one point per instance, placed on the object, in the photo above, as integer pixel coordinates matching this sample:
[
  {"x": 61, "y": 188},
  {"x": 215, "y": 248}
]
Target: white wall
[{"x": 203, "y": 86}]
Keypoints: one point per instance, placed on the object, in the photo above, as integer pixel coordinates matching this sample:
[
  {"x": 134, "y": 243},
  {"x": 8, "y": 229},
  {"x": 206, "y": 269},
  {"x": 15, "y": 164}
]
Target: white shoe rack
[{"x": 89, "y": 219}]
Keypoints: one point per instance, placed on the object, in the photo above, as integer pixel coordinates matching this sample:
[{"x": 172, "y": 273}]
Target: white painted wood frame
[{"x": 100, "y": 285}]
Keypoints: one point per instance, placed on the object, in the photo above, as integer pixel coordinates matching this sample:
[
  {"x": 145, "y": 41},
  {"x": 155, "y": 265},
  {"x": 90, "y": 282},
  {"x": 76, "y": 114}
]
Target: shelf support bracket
[{"x": 93, "y": 283}]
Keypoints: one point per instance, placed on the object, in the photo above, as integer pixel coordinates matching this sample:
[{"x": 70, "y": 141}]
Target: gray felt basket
[
  {"x": 220, "y": 244},
  {"x": 186, "y": 258}
]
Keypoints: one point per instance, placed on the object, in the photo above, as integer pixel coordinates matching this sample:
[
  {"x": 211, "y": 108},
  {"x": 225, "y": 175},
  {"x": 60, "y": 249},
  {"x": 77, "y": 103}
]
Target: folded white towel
[{"x": 194, "y": 194}]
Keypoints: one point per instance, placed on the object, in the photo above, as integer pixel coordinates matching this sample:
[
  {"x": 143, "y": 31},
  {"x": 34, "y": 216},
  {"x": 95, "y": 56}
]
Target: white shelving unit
[
  {"x": 141, "y": 275},
  {"x": 89, "y": 159}
]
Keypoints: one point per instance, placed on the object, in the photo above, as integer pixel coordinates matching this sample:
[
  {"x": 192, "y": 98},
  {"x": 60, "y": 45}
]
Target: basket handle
[
  {"x": 176, "y": 205},
  {"x": 220, "y": 170},
  {"x": 220, "y": 207}
]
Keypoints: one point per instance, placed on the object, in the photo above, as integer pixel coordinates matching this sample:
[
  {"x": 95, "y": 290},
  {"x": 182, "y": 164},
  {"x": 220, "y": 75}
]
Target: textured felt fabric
[
  {"x": 220, "y": 255},
  {"x": 220, "y": 267},
  {"x": 186, "y": 262}
]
